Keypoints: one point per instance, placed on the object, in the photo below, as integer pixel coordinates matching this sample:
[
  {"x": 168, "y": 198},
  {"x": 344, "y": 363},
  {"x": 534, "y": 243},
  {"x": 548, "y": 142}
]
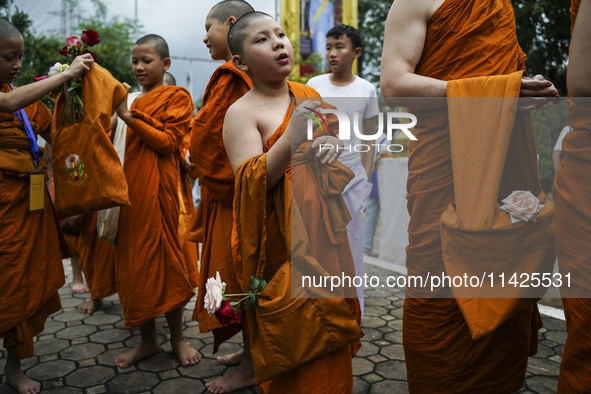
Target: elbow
[{"x": 8, "y": 106}]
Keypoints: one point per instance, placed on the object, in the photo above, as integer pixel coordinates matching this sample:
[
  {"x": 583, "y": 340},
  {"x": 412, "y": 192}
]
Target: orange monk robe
[
  {"x": 465, "y": 38},
  {"x": 31, "y": 270},
  {"x": 572, "y": 193},
  {"x": 97, "y": 260},
  {"x": 152, "y": 277},
  {"x": 331, "y": 373},
  {"x": 214, "y": 214}
]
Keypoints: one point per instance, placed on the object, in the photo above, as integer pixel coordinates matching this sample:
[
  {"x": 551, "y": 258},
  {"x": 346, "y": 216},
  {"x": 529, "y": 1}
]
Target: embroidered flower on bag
[{"x": 522, "y": 206}]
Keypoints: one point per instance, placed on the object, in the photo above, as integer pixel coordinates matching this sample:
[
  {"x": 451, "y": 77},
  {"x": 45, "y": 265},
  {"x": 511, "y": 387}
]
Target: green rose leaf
[{"x": 254, "y": 283}]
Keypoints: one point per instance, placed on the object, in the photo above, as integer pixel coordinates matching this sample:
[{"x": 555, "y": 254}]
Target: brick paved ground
[{"x": 75, "y": 353}]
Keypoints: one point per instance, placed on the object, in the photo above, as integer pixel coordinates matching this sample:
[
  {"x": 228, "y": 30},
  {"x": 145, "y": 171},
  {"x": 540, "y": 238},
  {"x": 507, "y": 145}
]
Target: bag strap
[{"x": 24, "y": 119}]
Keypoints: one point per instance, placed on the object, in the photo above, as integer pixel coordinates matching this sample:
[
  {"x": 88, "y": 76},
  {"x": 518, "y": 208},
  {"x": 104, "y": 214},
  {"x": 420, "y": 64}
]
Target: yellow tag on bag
[{"x": 37, "y": 192}]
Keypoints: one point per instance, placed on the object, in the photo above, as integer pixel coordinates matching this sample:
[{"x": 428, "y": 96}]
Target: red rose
[
  {"x": 226, "y": 314},
  {"x": 91, "y": 54},
  {"x": 40, "y": 78},
  {"x": 65, "y": 51},
  {"x": 90, "y": 37}
]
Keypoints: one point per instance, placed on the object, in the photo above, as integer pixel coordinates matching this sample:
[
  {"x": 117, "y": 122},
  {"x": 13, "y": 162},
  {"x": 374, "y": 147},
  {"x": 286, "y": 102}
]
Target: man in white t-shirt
[
  {"x": 351, "y": 94},
  {"x": 557, "y": 153}
]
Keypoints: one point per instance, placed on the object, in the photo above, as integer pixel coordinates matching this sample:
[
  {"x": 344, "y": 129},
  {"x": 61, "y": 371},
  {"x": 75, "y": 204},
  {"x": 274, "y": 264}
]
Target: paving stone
[
  {"x": 540, "y": 366},
  {"x": 63, "y": 390},
  {"x": 372, "y": 322},
  {"x": 48, "y": 357},
  {"x": 375, "y": 302},
  {"x": 115, "y": 309},
  {"x": 86, "y": 363},
  {"x": 396, "y": 312},
  {"x": 385, "y": 329},
  {"x": 556, "y": 359},
  {"x": 170, "y": 374},
  {"x": 79, "y": 341},
  {"x": 224, "y": 350},
  {"x": 393, "y": 352},
  {"x": 543, "y": 384},
  {"x": 395, "y": 337},
  {"x": 132, "y": 382},
  {"x": 76, "y": 331},
  {"x": 73, "y": 323},
  {"x": 206, "y": 368},
  {"x": 51, "y": 346},
  {"x": 372, "y": 378},
  {"x": 51, "y": 327},
  {"x": 374, "y": 311},
  {"x": 49, "y": 384},
  {"x": 389, "y": 387},
  {"x": 360, "y": 386},
  {"x": 367, "y": 349},
  {"x": 112, "y": 298},
  {"x": 554, "y": 324},
  {"x": 362, "y": 366},
  {"x": 25, "y": 364},
  {"x": 392, "y": 370},
  {"x": 82, "y": 352},
  {"x": 98, "y": 320},
  {"x": 90, "y": 376},
  {"x": 108, "y": 357},
  {"x": 376, "y": 358},
  {"x": 556, "y": 336},
  {"x": 51, "y": 370},
  {"x": 193, "y": 332},
  {"x": 180, "y": 385},
  {"x": 371, "y": 334},
  {"x": 71, "y": 302},
  {"x": 110, "y": 336},
  {"x": 544, "y": 351},
  {"x": 159, "y": 362},
  {"x": 96, "y": 390},
  {"x": 69, "y": 316},
  {"x": 559, "y": 350},
  {"x": 395, "y": 324}
]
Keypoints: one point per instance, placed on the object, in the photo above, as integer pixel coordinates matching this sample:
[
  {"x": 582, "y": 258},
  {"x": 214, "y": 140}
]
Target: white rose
[
  {"x": 55, "y": 69},
  {"x": 522, "y": 206},
  {"x": 214, "y": 294}
]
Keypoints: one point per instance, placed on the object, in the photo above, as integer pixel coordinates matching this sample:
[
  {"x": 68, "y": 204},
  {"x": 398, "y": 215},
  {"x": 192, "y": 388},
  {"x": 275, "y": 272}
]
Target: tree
[
  {"x": 372, "y": 23},
  {"x": 543, "y": 31}
]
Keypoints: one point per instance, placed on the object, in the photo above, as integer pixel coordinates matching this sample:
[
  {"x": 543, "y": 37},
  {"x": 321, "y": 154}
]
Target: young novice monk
[
  {"x": 152, "y": 277},
  {"x": 31, "y": 270},
  {"x": 260, "y": 146},
  {"x": 207, "y": 152},
  {"x": 351, "y": 94}
]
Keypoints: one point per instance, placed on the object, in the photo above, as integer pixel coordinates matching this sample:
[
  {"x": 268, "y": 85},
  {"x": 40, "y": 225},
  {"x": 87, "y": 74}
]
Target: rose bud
[
  {"x": 226, "y": 314},
  {"x": 73, "y": 41},
  {"x": 65, "y": 51},
  {"x": 40, "y": 78},
  {"x": 90, "y": 37}
]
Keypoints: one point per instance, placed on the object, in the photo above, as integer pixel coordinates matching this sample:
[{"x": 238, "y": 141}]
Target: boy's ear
[
  {"x": 239, "y": 64},
  {"x": 167, "y": 63},
  {"x": 357, "y": 52},
  {"x": 231, "y": 20}
]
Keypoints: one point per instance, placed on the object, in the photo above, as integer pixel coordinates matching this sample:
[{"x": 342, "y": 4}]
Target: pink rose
[
  {"x": 226, "y": 314},
  {"x": 40, "y": 78},
  {"x": 214, "y": 294},
  {"x": 522, "y": 206},
  {"x": 73, "y": 41},
  {"x": 90, "y": 37}
]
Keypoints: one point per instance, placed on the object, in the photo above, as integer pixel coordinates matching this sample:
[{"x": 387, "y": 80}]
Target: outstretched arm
[{"x": 28, "y": 94}]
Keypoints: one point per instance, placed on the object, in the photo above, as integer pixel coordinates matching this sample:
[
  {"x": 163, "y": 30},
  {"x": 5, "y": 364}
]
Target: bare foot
[
  {"x": 141, "y": 351},
  {"x": 237, "y": 379},
  {"x": 231, "y": 359},
  {"x": 79, "y": 287},
  {"x": 185, "y": 353},
  {"x": 17, "y": 379},
  {"x": 90, "y": 307}
]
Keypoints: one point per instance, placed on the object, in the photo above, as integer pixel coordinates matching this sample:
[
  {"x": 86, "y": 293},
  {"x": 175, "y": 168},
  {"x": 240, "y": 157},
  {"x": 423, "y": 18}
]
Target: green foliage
[
  {"x": 372, "y": 23},
  {"x": 315, "y": 60},
  {"x": 41, "y": 51},
  {"x": 543, "y": 31}
]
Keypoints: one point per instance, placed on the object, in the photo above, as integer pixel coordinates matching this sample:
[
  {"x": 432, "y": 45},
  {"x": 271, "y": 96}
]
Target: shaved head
[
  {"x": 237, "y": 33},
  {"x": 169, "y": 79},
  {"x": 227, "y": 8},
  {"x": 7, "y": 30},
  {"x": 159, "y": 43}
]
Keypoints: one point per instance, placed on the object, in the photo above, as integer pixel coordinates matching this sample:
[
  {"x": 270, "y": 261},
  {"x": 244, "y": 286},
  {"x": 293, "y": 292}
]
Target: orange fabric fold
[
  {"x": 263, "y": 232},
  {"x": 152, "y": 277},
  {"x": 213, "y": 220},
  {"x": 30, "y": 258},
  {"x": 465, "y": 39},
  {"x": 572, "y": 193}
]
